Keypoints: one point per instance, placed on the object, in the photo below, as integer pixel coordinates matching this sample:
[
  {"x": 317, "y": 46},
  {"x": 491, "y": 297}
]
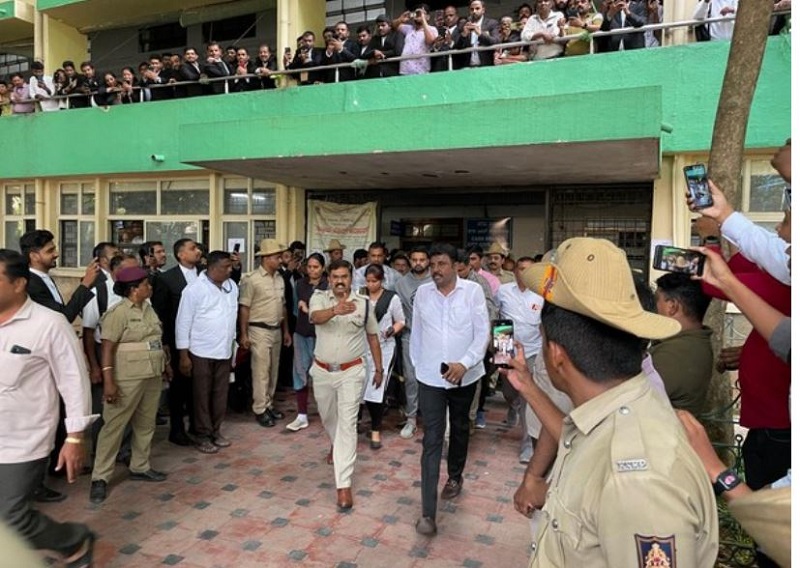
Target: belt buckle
[
  {"x": 334, "y": 367},
  {"x": 154, "y": 345}
]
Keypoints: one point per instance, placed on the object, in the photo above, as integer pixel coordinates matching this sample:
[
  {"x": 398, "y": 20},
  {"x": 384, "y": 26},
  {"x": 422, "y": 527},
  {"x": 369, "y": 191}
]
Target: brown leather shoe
[{"x": 344, "y": 499}]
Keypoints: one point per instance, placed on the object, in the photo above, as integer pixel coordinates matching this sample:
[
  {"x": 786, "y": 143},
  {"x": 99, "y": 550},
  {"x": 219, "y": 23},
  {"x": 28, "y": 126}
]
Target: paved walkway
[{"x": 269, "y": 500}]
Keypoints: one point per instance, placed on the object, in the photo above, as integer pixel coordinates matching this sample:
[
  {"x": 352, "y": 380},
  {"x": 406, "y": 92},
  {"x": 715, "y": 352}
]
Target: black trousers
[
  {"x": 17, "y": 482},
  {"x": 180, "y": 399},
  {"x": 767, "y": 455},
  {"x": 433, "y": 404}
]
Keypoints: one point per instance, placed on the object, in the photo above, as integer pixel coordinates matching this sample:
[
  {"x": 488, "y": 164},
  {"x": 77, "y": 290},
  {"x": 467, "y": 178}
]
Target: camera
[{"x": 417, "y": 13}]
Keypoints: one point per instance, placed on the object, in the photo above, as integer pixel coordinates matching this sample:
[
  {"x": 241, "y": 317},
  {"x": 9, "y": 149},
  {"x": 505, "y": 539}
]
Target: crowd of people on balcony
[{"x": 550, "y": 28}]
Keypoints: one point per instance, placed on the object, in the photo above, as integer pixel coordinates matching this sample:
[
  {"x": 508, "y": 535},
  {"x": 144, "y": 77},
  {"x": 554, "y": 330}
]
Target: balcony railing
[{"x": 281, "y": 76}]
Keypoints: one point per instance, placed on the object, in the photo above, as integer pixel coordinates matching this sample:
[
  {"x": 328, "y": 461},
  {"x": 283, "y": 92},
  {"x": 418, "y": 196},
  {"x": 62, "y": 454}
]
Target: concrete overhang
[
  {"x": 16, "y": 24},
  {"x": 524, "y": 141},
  {"x": 94, "y": 15}
]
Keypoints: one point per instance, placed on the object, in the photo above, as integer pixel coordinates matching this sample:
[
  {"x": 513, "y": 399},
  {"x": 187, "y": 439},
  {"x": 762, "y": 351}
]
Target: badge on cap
[
  {"x": 655, "y": 551},
  {"x": 549, "y": 280}
]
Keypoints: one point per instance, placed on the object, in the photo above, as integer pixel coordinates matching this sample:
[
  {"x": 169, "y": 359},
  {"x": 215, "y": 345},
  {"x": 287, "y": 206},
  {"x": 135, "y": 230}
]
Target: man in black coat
[
  {"x": 215, "y": 67},
  {"x": 384, "y": 44},
  {"x": 618, "y": 14},
  {"x": 167, "y": 291},
  {"x": 39, "y": 249},
  {"x": 190, "y": 71},
  {"x": 308, "y": 56},
  {"x": 479, "y": 31}
]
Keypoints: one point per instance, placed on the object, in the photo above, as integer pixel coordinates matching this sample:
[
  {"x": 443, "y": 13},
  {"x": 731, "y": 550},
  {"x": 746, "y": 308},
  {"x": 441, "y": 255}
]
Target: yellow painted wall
[
  {"x": 297, "y": 16},
  {"x": 61, "y": 42}
]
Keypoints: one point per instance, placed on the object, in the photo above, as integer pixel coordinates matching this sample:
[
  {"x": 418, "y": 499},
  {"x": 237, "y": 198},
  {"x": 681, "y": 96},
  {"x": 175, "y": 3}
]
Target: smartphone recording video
[
  {"x": 674, "y": 259},
  {"x": 697, "y": 183},
  {"x": 503, "y": 342}
]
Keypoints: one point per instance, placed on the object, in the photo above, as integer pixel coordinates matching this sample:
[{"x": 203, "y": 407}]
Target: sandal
[{"x": 85, "y": 560}]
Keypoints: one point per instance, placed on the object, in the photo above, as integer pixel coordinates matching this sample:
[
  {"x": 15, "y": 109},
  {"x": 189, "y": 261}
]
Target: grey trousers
[
  {"x": 411, "y": 385},
  {"x": 17, "y": 482}
]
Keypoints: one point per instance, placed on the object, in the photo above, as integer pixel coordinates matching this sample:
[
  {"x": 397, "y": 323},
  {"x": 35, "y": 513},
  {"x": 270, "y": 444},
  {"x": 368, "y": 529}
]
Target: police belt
[
  {"x": 338, "y": 367},
  {"x": 264, "y": 325},
  {"x": 154, "y": 345}
]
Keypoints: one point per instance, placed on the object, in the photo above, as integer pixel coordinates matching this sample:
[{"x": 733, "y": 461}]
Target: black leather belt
[{"x": 264, "y": 325}]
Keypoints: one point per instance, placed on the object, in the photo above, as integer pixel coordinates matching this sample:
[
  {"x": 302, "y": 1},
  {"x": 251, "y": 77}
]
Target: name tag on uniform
[{"x": 631, "y": 465}]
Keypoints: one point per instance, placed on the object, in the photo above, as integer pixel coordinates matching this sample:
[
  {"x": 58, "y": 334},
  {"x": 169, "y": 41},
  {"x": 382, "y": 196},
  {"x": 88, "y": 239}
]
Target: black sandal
[{"x": 86, "y": 560}]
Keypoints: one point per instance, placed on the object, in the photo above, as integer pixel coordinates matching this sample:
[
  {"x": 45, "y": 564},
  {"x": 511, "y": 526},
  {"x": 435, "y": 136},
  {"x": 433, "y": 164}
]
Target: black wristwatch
[{"x": 726, "y": 481}]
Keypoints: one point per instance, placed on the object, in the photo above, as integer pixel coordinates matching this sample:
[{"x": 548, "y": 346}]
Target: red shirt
[{"x": 763, "y": 378}]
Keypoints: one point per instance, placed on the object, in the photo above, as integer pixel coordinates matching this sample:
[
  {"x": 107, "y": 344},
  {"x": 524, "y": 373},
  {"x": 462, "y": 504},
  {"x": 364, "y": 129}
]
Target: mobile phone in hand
[
  {"x": 444, "y": 368},
  {"x": 237, "y": 247},
  {"x": 503, "y": 342},
  {"x": 697, "y": 183},
  {"x": 674, "y": 259}
]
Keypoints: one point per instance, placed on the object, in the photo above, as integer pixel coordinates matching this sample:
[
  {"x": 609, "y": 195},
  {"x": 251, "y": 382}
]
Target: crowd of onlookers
[{"x": 549, "y": 28}]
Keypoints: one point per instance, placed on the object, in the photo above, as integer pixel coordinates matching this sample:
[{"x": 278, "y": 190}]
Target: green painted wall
[
  {"x": 42, "y": 5},
  {"x": 7, "y": 10},
  {"x": 597, "y": 97}
]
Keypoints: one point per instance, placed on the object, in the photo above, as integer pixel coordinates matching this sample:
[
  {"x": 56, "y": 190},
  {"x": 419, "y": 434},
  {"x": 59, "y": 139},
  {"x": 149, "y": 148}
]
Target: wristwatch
[{"x": 726, "y": 481}]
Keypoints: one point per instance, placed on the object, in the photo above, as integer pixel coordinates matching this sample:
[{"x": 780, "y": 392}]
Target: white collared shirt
[
  {"x": 452, "y": 328},
  {"x": 524, "y": 308},
  {"x": 549, "y": 25},
  {"x": 190, "y": 274},
  {"x": 31, "y": 382},
  {"x": 50, "y": 285},
  {"x": 206, "y": 321},
  {"x": 90, "y": 316},
  {"x": 757, "y": 244},
  {"x": 475, "y": 58}
]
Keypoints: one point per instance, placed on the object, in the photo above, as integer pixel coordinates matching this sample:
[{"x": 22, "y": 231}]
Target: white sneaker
[
  {"x": 297, "y": 424},
  {"x": 408, "y": 430}
]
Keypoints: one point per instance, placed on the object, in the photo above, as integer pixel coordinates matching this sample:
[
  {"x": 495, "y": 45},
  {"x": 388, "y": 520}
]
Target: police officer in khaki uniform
[
  {"x": 496, "y": 255},
  {"x": 626, "y": 488},
  {"x": 133, "y": 363},
  {"x": 263, "y": 327},
  {"x": 343, "y": 320}
]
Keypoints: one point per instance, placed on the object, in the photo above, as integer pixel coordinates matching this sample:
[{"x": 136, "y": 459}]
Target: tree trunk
[{"x": 725, "y": 166}]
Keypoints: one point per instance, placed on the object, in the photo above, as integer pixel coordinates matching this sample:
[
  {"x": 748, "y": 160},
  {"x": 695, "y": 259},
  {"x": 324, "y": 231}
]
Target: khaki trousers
[
  {"x": 338, "y": 397},
  {"x": 138, "y": 404},
  {"x": 265, "y": 354}
]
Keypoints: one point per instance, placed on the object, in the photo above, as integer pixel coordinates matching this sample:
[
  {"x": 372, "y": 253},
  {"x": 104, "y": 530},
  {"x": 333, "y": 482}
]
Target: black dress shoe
[
  {"x": 180, "y": 439},
  {"x": 265, "y": 419},
  {"x": 161, "y": 421},
  {"x": 149, "y": 475},
  {"x": 98, "y": 492},
  {"x": 44, "y": 494},
  {"x": 276, "y": 414}
]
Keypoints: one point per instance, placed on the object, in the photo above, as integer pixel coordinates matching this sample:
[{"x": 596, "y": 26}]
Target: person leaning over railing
[
  {"x": 20, "y": 103},
  {"x": 546, "y": 25},
  {"x": 619, "y": 14},
  {"x": 581, "y": 17},
  {"x": 41, "y": 88}
]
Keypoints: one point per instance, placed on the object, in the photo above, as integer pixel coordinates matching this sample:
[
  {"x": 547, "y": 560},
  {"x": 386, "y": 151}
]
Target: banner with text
[{"x": 354, "y": 226}]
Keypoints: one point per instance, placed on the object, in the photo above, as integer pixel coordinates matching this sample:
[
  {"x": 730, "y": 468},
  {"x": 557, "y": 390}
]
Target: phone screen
[
  {"x": 674, "y": 259},
  {"x": 503, "y": 342},
  {"x": 697, "y": 182}
]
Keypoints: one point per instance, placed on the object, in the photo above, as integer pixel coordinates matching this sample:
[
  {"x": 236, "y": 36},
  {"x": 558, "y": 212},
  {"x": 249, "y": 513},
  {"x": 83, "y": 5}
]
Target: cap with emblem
[
  {"x": 592, "y": 277},
  {"x": 269, "y": 247}
]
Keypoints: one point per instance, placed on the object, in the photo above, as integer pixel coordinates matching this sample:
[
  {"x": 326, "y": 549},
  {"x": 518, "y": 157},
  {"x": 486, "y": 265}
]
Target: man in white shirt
[
  {"x": 41, "y": 88},
  {"x": 449, "y": 335},
  {"x": 377, "y": 255},
  {"x": 205, "y": 330},
  {"x": 522, "y": 306},
  {"x": 716, "y": 9},
  {"x": 41, "y": 359},
  {"x": 545, "y": 26}
]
